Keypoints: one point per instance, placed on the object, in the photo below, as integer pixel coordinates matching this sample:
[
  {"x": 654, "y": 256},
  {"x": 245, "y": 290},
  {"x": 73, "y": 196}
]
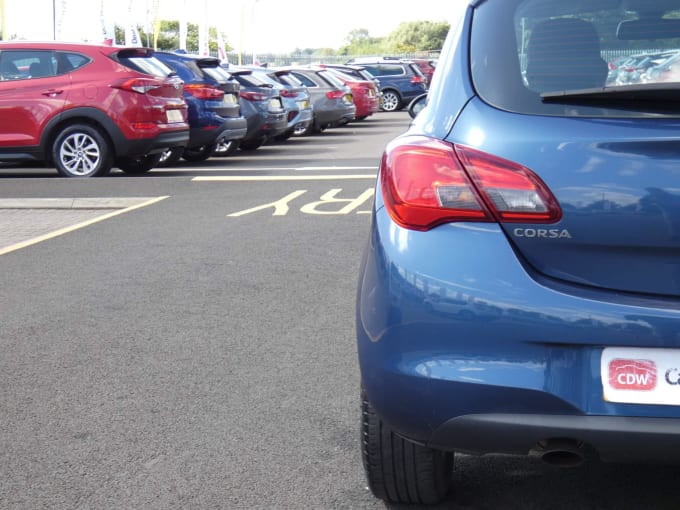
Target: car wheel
[
  {"x": 226, "y": 148},
  {"x": 200, "y": 153},
  {"x": 391, "y": 102},
  {"x": 251, "y": 145},
  {"x": 170, "y": 157},
  {"x": 284, "y": 136},
  {"x": 81, "y": 150},
  {"x": 397, "y": 470},
  {"x": 301, "y": 129},
  {"x": 139, "y": 165}
]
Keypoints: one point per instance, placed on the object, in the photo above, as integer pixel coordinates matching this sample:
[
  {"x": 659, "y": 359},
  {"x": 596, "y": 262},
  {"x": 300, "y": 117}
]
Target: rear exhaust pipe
[{"x": 562, "y": 452}]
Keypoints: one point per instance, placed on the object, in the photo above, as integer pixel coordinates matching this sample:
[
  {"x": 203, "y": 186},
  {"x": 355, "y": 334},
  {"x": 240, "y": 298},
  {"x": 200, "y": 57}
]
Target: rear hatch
[
  {"x": 230, "y": 104},
  {"x": 158, "y": 84},
  {"x": 609, "y": 155}
]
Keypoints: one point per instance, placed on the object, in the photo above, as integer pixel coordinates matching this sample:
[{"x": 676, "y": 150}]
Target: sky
[{"x": 262, "y": 26}]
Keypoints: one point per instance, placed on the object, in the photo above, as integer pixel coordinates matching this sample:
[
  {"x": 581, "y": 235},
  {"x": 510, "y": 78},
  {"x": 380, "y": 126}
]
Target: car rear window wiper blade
[{"x": 649, "y": 92}]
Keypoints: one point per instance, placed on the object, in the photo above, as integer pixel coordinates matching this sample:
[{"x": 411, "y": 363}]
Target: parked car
[
  {"x": 262, "y": 107},
  {"x": 295, "y": 98},
  {"x": 214, "y": 106},
  {"x": 400, "y": 80},
  {"x": 519, "y": 292},
  {"x": 84, "y": 108},
  {"x": 358, "y": 72},
  {"x": 332, "y": 100},
  {"x": 633, "y": 69},
  {"x": 427, "y": 67},
  {"x": 364, "y": 94}
]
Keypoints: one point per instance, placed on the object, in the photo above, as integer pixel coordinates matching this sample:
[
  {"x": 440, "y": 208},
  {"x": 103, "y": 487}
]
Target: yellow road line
[{"x": 77, "y": 226}]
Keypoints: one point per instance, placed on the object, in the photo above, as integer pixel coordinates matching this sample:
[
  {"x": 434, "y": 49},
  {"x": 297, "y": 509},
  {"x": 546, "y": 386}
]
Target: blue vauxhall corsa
[{"x": 520, "y": 288}]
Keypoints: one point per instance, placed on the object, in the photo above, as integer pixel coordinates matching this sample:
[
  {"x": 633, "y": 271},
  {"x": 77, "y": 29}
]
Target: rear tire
[
  {"x": 81, "y": 150},
  {"x": 391, "y": 102},
  {"x": 226, "y": 148},
  {"x": 251, "y": 145},
  {"x": 139, "y": 165},
  {"x": 397, "y": 470},
  {"x": 170, "y": 156},
  {"x": 199, "y": 153}
]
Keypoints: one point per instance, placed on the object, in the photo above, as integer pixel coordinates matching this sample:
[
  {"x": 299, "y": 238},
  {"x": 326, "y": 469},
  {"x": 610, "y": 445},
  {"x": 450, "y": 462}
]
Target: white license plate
[
  {"x": 229, "y": 99},
  {"x": 275, "y": 104},
  {"x": 635, "y": 375},
  {"x": 303, "y": 105},
  {"x": 174, "y": 116}
]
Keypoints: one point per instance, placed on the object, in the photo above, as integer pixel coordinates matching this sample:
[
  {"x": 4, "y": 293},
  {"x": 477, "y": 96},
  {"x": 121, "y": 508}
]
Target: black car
[{"x": 214, "y": 106}]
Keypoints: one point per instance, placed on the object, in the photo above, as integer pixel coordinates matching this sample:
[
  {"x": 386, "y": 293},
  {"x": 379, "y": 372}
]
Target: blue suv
[
  {"x": 214, "y": 106},
  {"x": 400, "y": 80},
  {"x": 519, "y": 292}
]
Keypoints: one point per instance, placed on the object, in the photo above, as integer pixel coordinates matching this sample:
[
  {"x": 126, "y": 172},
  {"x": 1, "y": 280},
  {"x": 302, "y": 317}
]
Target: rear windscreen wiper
[{"x": 650, "y": 92}]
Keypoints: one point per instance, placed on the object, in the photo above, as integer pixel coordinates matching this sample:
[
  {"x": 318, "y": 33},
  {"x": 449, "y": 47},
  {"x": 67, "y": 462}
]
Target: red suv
[{"x": 84, "y": 108}]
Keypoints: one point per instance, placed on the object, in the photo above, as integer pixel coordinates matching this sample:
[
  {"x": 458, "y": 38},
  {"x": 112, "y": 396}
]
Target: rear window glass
[
  {"x": 217, "y": 73},
  {"x": 525, "y": 50},
  {"x": 332, "y": 79},
  {"x": 144, "y": 63}
]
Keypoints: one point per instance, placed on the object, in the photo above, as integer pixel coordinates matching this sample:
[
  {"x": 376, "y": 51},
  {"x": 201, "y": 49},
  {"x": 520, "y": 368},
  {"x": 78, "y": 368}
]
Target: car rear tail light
[
  {"x": 427, "y": 182},
  {"x": 418, "y": 79},
  {"x": 335, "y": 94},
  {"x": 253, "y": 96},
  {"x": 139, "y": 85},
  {"x": 288, "y": 93},
  {"x": 204, "y": 91}
]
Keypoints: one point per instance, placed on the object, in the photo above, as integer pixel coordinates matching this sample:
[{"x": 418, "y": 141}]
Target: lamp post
[{"x": 54, "y": 20}]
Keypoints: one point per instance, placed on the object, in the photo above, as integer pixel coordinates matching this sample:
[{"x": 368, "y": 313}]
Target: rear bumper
[
  {"x": 614, "y": 438},
  {"x": 162, "y": 142},
  {"x": 452, "y": 349}
]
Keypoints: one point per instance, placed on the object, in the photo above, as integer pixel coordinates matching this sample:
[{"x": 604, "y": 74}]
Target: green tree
[{"x": 412, "y": 36}]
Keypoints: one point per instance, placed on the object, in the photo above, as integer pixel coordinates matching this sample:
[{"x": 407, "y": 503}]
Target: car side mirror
[{"x": 416, "y": 105}]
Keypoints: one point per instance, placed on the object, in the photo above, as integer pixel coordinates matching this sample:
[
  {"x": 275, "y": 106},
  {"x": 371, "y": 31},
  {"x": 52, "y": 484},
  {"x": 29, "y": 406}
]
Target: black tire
[
  {"x": 198, "y": 154},
  {"x": 170, "y": 157},
  {"x": 139, "y": 165},
  {"x": 397, "y": 470},
  {"x": 81, "y": 150},
  {"x": 391, "y": 101},
  {"x": 226, "y": 148},
  {"x": 251, "y": 145},
  {"x": 284, "y": 136}
]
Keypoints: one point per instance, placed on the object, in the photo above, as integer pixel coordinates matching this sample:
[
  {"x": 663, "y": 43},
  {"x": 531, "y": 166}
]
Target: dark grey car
[{"x": 331, "y": 99}]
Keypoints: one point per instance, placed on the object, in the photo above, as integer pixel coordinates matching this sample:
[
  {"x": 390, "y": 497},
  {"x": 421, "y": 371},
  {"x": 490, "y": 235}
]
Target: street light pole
[{"x": 54, "y": 20}]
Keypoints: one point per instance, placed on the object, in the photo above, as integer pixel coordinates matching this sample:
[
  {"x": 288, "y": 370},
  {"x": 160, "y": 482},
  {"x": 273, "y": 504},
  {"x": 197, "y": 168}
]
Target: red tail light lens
[
  {"x": 203, "y": 91},
  {"x": 139, "y": 85},
  {"x": 253, "y": 96},
  {"x": 425, "y": 183},
  {"x": 418, "y": 79},
  {"x": 288, "y": 93},
  {"x": 335, "y": 94}
]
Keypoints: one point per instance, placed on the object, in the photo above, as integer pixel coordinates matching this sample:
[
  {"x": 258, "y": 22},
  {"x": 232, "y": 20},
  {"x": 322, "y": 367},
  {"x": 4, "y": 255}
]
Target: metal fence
[{"x": 306, "y": 58}]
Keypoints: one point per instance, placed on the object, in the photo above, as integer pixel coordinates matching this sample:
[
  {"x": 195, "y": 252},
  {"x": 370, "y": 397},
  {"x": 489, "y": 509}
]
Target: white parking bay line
[{"x": 246, "y": 178}]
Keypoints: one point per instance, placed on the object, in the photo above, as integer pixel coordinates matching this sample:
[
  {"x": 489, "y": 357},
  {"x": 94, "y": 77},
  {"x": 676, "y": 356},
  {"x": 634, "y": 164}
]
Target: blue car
[
  {"x": 401, "y": 80},
  {"x": 213, "y": 102},
  {"x": 519, "y": 292}
]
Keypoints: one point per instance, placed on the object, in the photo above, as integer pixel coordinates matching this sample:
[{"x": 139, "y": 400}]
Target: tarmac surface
[{"x": 27, "y": 221}]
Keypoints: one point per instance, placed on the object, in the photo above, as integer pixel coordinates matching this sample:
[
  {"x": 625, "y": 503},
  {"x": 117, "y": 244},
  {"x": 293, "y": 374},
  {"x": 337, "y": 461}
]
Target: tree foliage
[{"x": 413, "y": 36}]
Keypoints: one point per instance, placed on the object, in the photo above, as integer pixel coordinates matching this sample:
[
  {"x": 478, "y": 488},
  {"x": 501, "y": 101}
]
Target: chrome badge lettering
[{"x": 542, "y": 233}]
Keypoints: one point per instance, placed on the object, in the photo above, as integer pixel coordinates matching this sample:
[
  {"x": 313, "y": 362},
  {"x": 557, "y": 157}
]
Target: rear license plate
[
  {"x": 229, "y": 99},
  {"x": 174, "y": 116},
  {"x": 632, "y": 375},
  {"x": 275, "y": 104}
]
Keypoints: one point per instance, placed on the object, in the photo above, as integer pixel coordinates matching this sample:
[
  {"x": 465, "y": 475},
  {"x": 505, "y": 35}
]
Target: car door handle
[{"x": 53, "y": 92}]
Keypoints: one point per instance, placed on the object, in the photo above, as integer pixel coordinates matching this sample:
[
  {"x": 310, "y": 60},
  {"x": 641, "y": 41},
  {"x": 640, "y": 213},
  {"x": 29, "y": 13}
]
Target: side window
[
  {"x": 374, "y": 70},
  {"x": 67, "y": 62},
  {"x": 25, "y": 64},
  {"x": 306, "y": 81},
  {"x": 391, "y": 70}
]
